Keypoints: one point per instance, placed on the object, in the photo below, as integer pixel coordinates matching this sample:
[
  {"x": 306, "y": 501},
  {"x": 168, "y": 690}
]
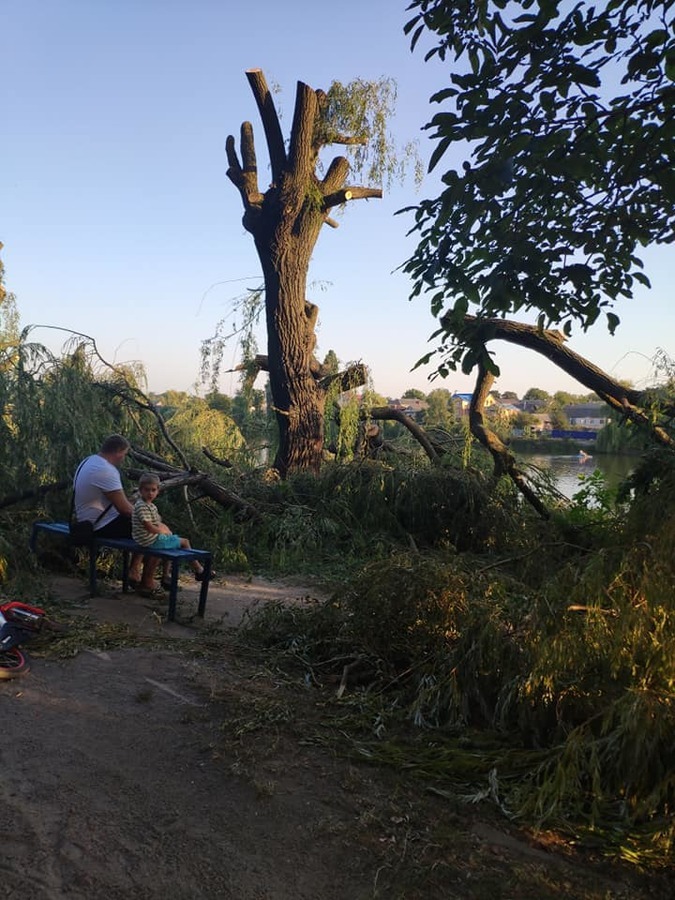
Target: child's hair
[{"x": 148, "y": 478}]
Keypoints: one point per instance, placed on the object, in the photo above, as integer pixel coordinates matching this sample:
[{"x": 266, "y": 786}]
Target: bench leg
[
  {"x": 173, "y": 591},
  {"x": 33, "y": 537},
  {"x": 125, "y": 571},
  {"x": 204, "y": 590}
]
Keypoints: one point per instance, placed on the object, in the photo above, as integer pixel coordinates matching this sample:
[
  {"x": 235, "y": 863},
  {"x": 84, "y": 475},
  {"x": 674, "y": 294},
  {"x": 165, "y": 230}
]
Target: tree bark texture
[
  {"x": 285, "y": 222},
  {"x": 504, "y": 461}
]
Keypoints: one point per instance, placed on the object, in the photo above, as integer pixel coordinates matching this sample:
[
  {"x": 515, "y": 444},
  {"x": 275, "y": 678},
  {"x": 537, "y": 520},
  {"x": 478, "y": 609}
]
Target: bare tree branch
[
  {"x": 504, "y": 461},
  {"x": 301, "y": 154},
  {"x": 270, "y": 120},
  {"x": 336, "y": 175},
  {"x": 387, "y": 412},
  {"x": 351, "y": 193},
  {"x": 215, "y": 459},
  {"x": 550, "y": 344}
]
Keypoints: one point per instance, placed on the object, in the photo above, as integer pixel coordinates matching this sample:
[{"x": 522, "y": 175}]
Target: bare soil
[{"x": 158, "y": 771}]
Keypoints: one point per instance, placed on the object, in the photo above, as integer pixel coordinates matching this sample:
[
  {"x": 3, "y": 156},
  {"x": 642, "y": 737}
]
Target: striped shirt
[{"x": 144, "y": 512}]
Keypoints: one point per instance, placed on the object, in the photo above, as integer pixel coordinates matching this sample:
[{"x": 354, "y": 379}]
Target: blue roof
[{"x": 466, "y": 397}]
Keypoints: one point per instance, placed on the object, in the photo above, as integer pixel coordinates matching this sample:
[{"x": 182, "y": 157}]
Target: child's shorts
[{"x": 167, "y": 542}]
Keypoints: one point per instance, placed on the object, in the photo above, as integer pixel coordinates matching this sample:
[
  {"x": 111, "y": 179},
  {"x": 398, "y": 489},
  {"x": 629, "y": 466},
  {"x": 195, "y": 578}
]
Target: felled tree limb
[
  {"x": 387, "y": 412},
  {"x": 225, "y": 463},
  {"x": 504, "y": 461},
  {"x": 152, "y": 460},
  {"x": 174, "y": 477},
  {"x": 32, "y": 493},
  {"x": 551, "y": 344}
]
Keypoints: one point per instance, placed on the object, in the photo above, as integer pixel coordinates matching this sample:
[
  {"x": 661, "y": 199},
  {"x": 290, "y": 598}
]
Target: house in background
[
  {"x": 530, "y": 406},
  {"x": 506, "y": 409},
  {"x": 462, "y": 402},
  {"x": 588, "y": 415}
]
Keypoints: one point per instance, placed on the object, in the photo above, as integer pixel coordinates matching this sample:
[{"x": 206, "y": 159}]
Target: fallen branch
[
  {"x": 32, "y": 493},
  {"x": 387, "y": 412},
  {"x": 504, "y": 461},
  {"x": 174, "y": 477},
  {"x": 214, "y": 459}
]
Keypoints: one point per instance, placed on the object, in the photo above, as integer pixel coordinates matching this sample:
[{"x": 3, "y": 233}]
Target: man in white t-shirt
[{"x": 100, "y": 499}]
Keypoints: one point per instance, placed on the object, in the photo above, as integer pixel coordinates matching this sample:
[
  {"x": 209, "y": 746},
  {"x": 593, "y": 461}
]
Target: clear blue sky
[{"x": 118, "y": 219}]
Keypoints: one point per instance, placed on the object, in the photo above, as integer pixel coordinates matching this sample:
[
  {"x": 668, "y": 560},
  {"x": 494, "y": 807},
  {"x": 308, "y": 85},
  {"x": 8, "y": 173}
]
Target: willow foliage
[{"x": 542, "y": 678}]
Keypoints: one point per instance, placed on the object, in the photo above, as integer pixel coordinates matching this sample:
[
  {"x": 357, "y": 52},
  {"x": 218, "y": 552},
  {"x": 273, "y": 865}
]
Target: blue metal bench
[{"x": 127, "y": 547}]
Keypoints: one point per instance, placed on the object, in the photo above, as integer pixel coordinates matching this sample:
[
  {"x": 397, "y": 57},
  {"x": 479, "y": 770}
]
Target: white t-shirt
[{"x": 95, "y": 476}]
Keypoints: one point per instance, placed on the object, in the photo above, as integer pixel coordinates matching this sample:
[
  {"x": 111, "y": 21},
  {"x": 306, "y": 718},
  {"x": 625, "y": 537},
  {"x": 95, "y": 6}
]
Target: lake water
[{"x": 566, "y": 470}]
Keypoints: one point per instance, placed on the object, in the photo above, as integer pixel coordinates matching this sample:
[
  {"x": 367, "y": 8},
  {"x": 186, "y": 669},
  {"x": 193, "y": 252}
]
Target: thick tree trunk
[
  {"x": 285, "y": 222},
  {"x": 299, "y": 398},
  {"x": 504, "y": 461}
]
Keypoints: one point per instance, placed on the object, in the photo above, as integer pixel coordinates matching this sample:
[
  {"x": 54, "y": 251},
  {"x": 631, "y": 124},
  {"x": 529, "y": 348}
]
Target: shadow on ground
[{"x": 229, "y": 602}]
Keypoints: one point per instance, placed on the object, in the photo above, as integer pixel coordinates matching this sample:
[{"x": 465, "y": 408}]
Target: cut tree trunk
[{"x": 285, "y": 222}]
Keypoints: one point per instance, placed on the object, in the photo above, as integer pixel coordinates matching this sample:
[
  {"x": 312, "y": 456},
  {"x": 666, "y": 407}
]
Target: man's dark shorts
[{"x": 118, "y": 528}]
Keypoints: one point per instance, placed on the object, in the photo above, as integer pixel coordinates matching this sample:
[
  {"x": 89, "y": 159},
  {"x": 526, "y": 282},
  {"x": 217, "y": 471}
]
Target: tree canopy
[{"x": 566, "y": 115}]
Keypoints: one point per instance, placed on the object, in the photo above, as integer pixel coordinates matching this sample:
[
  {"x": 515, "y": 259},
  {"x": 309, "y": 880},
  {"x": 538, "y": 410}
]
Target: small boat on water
[{"x": 583, "y": 457}]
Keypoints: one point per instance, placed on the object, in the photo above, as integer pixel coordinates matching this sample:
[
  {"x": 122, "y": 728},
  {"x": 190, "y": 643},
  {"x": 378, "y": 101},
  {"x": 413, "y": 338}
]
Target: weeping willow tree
[
  {"x": 57, "y": 409},
  {"x": 285, "y": 221},
  {"x": 195, "y": 424}
]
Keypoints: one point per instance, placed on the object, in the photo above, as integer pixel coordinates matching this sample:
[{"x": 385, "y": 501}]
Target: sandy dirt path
[{"x": 136, "y": 773}]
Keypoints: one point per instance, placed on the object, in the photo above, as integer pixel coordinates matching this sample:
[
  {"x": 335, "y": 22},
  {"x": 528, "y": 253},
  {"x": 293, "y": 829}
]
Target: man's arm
[
  {"x": 119, "y": 501},
  {"x": 149, "y": 525},
  {"x": 146, "y": 518}
]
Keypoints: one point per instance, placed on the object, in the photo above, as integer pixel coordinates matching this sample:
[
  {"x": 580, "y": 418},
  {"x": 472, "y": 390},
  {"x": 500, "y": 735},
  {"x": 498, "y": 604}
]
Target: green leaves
[
  {"x": 565, "y": 174},
  {"x": 612, "y": 322},
  {"x": 358, "y": 114},
  {"x": 670, "y": 64}
]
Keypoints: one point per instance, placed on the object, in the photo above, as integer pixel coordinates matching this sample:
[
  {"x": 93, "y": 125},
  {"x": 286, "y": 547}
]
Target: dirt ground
[{"x": 137, "y": 773}]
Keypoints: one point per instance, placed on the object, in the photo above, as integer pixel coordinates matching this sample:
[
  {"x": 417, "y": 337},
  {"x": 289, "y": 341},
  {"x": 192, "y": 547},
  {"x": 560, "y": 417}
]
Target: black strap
[{"x": 72, "y": 499}]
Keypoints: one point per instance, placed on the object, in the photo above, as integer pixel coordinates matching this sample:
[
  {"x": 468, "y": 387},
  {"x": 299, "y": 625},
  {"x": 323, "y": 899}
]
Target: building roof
[{"x": 587, "y": 411}]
